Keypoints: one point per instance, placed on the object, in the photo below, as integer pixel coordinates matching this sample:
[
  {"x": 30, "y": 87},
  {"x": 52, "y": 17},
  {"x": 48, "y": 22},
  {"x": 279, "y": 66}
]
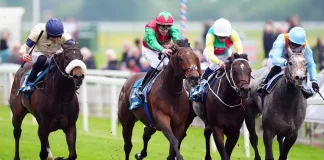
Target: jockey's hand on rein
[{"x": 315, "y": 86}]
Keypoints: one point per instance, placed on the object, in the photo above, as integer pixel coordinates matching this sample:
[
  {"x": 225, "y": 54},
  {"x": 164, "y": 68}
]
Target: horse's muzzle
[
  {"x": 194, "y": 80},
  {"x": 244, "y": 92},
  {"x": 78, "y": 80}
]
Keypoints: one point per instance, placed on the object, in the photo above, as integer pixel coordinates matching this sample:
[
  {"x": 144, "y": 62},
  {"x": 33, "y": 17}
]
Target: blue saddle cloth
[
  {"x": 136, "y": 102},
  {"x": 39, "y": 77}
]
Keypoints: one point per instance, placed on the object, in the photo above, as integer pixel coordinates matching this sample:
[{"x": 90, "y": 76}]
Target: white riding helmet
[{"x": 222, "y": 28}]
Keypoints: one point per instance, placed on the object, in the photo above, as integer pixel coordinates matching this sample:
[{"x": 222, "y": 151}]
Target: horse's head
[
  {"x": 239, "y": 74},
  {"x": 296, "y": 70},
  {"x": 70, "y": 63},
  {"x": 185, "y": 62}
]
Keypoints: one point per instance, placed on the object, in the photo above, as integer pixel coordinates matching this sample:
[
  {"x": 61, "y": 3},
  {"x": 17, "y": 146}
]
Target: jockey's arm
[
  {"x": 175, "y": 33},
  {"x": 210, "y": 38},
  {"x": 151, "y": 41},
  {"x": 237, "y": 42},
  {"x": 31, "y": 40},
  {"x": 276, "y": 53},
  {"x": 311, "y": 66}
]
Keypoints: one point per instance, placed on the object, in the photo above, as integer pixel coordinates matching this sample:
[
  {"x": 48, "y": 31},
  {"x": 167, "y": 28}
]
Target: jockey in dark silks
[
  {"x": 296, "y": 40},
  {"x": 158, "y": 34}
]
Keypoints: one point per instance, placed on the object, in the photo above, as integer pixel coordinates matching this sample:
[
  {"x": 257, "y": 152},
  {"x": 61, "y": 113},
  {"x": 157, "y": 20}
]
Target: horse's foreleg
[
  {"x": 218, "y": 134},
  {"x": 148, "y": 132},
  {"x": 287, "y": 144},
  {"x": 43, "y": 134},
  {"x": 250, "y": 125},
  {"x": 268, "y": 136},
  {"x": 16, "y": 122},
  {"x": 231, "y": 140},
  {"x": 164, "y": 124},
  {"x": 207, "y": 134},
  {"x": 70, "y": 134}
]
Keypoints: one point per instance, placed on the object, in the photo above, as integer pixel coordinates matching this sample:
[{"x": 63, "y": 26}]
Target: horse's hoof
[
  {"x": 138, "y": 156},
  {"x": 16, "y": 158},
  {"x": 59, "y": 158}
]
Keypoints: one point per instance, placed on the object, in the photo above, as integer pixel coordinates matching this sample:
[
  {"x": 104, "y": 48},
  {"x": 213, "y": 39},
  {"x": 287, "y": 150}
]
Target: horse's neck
[
  {"x": 171, "y": 82},
  {"x": 226, "y": 92},
  {"x": 287, "y": 92},
  {"x": 61, "y": 86}
]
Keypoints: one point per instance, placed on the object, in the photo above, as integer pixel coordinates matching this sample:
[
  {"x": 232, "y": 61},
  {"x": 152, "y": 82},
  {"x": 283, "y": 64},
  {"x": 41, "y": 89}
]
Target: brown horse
[
  {"x": 53, "y": 102},
  {"x": 224, "y": 112},
  {"x": 168, "y": 102}
]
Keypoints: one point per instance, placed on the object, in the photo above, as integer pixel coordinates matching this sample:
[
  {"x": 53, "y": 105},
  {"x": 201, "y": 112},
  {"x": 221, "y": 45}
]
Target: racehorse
[
  {"x": 167, "y": 101},
  {"x": 283, "y": 110},
  {"x": 223, "y": 110},
  {"x": 53, "y": 103}
]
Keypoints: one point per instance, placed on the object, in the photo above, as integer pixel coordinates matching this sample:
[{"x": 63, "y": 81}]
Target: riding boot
[
  {"x": 41, "y": 60},
  {"x": 262, "y": 86},
  {"x": 307, "y": 92},
  {"x": 198, "y": 90},
  {"x": 149, "y": 75}
]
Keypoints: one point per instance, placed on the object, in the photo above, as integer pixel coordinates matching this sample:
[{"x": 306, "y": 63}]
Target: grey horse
[{"x": 283, "y": 110}]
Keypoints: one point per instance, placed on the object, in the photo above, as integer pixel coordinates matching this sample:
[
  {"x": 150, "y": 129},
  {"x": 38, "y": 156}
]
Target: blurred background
[{"x": 110, "y": 35}]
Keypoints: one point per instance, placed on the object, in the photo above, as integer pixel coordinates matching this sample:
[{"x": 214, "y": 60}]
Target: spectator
[
  {"x": 72, "y": 27},
  {"x": 13, "y": 56},
  {"x": 126, "y": 47},
  {"x": 268, "y": 38},
  {"x": 318, "y": 53},
  {"x": 145, "y": 65},
  {"x": 111, "y": 60},
  {"x": 4, "y": 49},
  {"x": 88, "y": 58},
  {"x": 138, "y": 44},
  {"x": 131, "y": 65}
]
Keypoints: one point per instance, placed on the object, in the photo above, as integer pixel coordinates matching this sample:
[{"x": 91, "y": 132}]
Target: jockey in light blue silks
[{"x": 296, "y": 40}]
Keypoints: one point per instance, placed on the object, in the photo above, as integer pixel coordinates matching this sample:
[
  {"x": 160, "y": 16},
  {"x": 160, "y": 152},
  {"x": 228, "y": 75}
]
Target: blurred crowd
[
  {"x": 131, "y": 59},
  {"x": 272, "y": 29}
]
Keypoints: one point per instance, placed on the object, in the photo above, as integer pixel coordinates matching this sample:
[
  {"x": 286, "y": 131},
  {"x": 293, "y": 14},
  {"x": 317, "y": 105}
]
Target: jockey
[
  {"x": 158, "y": 34},
  {"x": 296, "y": 40},
  {"x": 219, "y": 41},
  {"x": 49, "y": 43}
]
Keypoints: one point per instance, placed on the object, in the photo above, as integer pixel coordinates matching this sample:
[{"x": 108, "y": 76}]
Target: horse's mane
[{"x": 183, "y": 43}]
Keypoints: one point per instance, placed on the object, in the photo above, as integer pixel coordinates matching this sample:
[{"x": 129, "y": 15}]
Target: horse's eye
[
  {"x": 306, "y": 64},
  {"x": 290, "y": 63}
]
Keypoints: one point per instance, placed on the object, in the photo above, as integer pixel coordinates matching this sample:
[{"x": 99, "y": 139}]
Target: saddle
[{"x": 40, "y": 76}]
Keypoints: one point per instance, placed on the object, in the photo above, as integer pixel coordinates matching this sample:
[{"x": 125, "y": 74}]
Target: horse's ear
[
  {"x": 303, "y": 51},
  {"x": 175, "y": 47},
  {"x": 64, "y": 46},
  {"x": 290, "y": 52}
]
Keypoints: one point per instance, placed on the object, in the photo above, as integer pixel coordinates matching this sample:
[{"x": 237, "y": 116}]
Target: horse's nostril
[
  {"x": 297, "y": 77},
  {"x": 249, "y": 89}
]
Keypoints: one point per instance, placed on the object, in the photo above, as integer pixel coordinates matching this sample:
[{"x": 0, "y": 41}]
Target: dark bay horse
[
  {"x": 283, "y": 110},
  {"x": 168, "y": 102},
  {"x": 224, "y": 112},
  {"x": 53, "y": 103}
]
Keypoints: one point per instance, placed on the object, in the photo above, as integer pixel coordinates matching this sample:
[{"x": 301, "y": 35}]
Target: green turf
[{"x": 98, "y": 144}]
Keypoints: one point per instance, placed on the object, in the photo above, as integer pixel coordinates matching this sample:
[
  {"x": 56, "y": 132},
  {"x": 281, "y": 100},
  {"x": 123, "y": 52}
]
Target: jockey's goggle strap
[
  {"x": 222, "y": 37},
  {"x": 164, "y": 27},
  {"x": 293, "y": 44}
]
